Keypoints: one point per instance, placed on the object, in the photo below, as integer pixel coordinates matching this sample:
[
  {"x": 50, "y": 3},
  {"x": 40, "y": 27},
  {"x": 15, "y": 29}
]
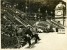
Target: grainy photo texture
[{"x": 33, "y": 24}]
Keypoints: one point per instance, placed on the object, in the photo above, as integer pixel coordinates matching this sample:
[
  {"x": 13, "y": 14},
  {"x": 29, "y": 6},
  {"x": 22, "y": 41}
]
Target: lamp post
[
  {"x": 51, "y": 15},
  {"x": 39, "y": 13},
  {"x": 26, "y": 8},
  {"x": 35, "y": 16},
  {"x": 46, "y": 14}
]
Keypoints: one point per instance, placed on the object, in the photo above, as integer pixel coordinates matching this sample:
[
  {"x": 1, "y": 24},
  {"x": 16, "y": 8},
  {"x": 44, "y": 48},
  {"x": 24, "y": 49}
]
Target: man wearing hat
[{"x": 28, "y": 35}]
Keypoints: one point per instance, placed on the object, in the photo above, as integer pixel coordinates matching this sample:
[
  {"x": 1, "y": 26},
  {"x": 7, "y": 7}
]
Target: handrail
[
  {"x": 15, "y": 19},
  {"x": 57, "y": 23},
  {"x": 54, "y": 24},
  {"x": 51, "y": 23},
  {"x": 20, "y": 17}
]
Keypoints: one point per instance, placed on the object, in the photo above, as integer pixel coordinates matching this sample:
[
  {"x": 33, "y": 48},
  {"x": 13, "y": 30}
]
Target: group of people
[{"x": 29, "y": 35}]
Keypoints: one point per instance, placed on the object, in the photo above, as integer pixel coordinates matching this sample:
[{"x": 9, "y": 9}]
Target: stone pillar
[
  {"x": 66, "y": 19},
  {"x": 59, "y": 13}
]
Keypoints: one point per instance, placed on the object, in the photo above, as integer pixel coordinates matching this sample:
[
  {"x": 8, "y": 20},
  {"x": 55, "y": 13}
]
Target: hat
[{"x": 28, "y": 25}]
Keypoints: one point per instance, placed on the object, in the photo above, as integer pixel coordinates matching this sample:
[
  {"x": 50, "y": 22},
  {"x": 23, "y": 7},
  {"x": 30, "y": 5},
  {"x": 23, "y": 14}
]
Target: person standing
[
  {"x": 28, "y": 34},
  {"x": 35, "y": 34}
]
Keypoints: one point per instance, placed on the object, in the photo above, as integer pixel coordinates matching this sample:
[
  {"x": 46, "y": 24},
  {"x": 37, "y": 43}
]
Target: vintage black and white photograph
[{"x": 33, "y": 24}]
